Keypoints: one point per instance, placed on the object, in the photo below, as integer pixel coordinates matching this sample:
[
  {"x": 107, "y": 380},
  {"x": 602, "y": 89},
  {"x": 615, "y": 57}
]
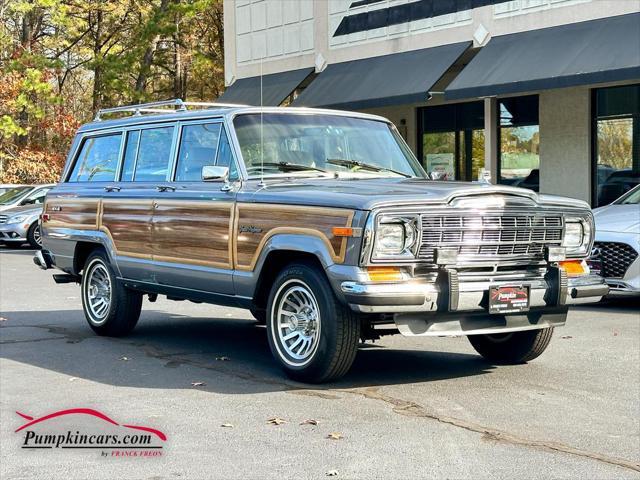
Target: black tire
[
  {"x": 512, "y": 348},
  {"x": 123, "y": 305},
  {"x": 260, "y": 314},
  {"x": 337, "y": 329},
  {"x": 33, "y": 234}
]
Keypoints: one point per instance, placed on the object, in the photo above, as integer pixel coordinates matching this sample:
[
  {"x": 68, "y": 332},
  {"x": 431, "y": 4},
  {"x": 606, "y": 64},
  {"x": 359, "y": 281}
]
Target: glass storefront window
[
  {"x": 439, "y": 157},
  {"x": 617, "y": 142},
  {"x": 477, "y": 153},
  {"x": 519, "y": 142},
  {"x": 452, "y": 146}
]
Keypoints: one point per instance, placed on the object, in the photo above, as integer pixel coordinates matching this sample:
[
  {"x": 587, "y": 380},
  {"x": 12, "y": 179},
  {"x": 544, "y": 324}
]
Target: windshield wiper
[
  {"x": 364, "y": 166},
  {"x": 288, "y": 167}
]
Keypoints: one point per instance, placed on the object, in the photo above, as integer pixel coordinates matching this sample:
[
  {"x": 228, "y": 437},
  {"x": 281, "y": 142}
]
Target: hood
[
  {"x": 26, "y": 209},
  {"x": 370, "y": 193},
  {"x": 618, "y": 218}
]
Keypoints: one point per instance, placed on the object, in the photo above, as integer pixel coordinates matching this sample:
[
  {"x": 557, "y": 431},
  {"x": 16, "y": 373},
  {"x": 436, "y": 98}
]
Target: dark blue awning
[
  {"x": 275, "y": 88},
  {"x": 596, "y": 51},
  {"x": 395, "y": 79}
]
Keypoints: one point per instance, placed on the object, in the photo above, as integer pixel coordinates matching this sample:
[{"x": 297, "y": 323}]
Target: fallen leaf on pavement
[
  {"x": 335, "y": 436},
  {"x": 198, "y": 384},
  {"x": 332, "y": 473},
  {"x": 227, "y": 425},
  {"x": 276, "y": 421},
  {"x": 310, "y": 421},
  {"x": 223, "y": 359}
]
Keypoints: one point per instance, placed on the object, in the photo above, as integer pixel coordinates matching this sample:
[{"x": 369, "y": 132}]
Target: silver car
[
  {"x": 615, "y": 251},
  {"x": 20, "y": 195},
  {"x": 20, "y": 223}
]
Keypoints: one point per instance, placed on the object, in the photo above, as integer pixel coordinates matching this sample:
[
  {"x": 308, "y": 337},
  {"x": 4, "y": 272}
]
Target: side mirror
[{"x": 214, "y": 173}]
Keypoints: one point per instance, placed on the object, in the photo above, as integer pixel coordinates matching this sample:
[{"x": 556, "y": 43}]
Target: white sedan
[{"x": 617, "y": 244}]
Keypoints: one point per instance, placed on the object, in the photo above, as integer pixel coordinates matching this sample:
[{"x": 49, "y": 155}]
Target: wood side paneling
[
  {"x": 192, "y": 232},
  {"x": 198, "y": 232},
  {"x": 256, "y": 223},
  {"x": 77, "y": 213},
  {"x": 128, "y": 223}
]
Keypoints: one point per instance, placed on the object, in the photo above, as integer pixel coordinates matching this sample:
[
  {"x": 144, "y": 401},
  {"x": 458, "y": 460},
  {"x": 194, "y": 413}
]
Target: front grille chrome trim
[{"x": 491, "y": 235}]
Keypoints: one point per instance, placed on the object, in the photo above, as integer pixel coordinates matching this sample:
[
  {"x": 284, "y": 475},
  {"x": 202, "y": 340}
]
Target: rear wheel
[
  {"x": 514, "y": 347},
  {"x": 109, "y": 307},
  {"x": 33, "y": 236},
  {"x": 311, "y": 334}
]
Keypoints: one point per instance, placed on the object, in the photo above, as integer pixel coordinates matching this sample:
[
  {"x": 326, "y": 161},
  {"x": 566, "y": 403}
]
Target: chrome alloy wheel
[
  {"x": 36, "y": 235},
  {"x": 297, "y": 322},
  {"x": 98, "y": 292}
]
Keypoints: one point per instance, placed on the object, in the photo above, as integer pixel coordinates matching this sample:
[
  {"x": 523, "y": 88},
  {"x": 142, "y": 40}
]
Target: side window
[
  {"x": 225, "y": 157},
  {"x": 154, "y": 154},
  {"x": 198, "y": 147},
  {"x": 97, "y": 160},
  {"x": 36, "y": 197},
  {"x": 130, "y": 152}
]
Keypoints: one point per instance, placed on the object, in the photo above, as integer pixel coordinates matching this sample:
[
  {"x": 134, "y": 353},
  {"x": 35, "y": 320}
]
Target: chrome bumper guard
[{"x": 453, "y": 307}]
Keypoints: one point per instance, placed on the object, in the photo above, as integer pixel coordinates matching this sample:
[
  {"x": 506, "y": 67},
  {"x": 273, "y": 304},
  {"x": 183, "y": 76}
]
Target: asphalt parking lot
[{"x": 410, "y": 408}]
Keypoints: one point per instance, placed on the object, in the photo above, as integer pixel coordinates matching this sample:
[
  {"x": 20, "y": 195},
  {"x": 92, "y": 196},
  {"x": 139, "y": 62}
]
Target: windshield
[
  {"x": 12, "y": 195},
  {"x": 320, "y": 144},
  {"x": 632, "y": 198}
]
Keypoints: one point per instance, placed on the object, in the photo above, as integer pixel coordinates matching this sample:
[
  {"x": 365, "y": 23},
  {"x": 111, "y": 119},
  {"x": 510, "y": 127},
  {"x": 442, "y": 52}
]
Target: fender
[
  {"x": 62, "y": 243},
  {"x": 246, "y": 281}
]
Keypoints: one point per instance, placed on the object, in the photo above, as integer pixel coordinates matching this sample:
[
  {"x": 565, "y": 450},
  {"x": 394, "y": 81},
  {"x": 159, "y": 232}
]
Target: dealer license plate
[{"x": 512, "y": 299}]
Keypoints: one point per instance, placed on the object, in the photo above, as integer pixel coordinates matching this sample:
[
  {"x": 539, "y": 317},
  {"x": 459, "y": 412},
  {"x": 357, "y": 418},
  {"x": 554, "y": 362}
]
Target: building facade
[{"x": 543, "y": 94}]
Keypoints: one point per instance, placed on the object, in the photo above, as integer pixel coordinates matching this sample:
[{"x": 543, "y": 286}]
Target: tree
[{"x": 62, "y": 60}]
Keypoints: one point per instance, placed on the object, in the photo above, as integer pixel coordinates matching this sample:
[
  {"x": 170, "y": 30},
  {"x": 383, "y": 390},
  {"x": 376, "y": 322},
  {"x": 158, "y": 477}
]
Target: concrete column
[
  {"x": 565, "y": 142},
  {"x": 229, "y": 10},
  {"x": 491, "y": 138}
]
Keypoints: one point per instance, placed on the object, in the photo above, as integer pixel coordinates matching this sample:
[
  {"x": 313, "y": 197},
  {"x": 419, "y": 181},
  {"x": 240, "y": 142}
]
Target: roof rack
[{"x": 156, "y": 107}]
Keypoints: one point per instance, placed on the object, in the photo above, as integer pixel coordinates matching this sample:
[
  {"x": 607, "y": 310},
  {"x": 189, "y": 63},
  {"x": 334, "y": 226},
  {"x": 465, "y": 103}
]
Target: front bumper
[
  {"x": 415, "y": 296},
  {"x": 451, "y": 306},
  {"x": 13, "y": 232}
]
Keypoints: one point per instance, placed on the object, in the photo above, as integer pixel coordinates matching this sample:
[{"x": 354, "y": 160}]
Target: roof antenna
[{"x": 261, "y": 184}]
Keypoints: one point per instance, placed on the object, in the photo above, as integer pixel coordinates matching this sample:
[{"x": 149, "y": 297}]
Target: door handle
[
  {"x": 165, "y": 188},
  {"x": 112, "y": 188}
]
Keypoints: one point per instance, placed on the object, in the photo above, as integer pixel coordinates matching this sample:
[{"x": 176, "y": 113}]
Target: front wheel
[
  {"x": 311, "y": 334},
  {"x": 512, "y": 348},
  {"x": 33, "y": 236},
  {"x": 110, "y": 308}
]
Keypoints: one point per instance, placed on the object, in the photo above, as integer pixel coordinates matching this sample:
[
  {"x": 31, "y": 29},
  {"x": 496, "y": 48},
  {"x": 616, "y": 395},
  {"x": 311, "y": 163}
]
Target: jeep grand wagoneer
[{"x": 322, "y": 223}]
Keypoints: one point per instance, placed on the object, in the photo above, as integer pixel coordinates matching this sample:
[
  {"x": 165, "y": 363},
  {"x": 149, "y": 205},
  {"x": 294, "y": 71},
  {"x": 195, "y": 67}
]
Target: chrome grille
[
  {"x": 616, "y": 258},
  {"x": 490, "y": 235},
  {"x": 4, "y": 218}
]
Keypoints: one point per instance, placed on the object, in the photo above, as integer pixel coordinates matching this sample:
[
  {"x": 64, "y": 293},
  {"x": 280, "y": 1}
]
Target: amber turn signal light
[
  {"x": 574, "y": 268},
  {"x": 342, "y": 231},
  {"x": 384, "y": 274}
]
